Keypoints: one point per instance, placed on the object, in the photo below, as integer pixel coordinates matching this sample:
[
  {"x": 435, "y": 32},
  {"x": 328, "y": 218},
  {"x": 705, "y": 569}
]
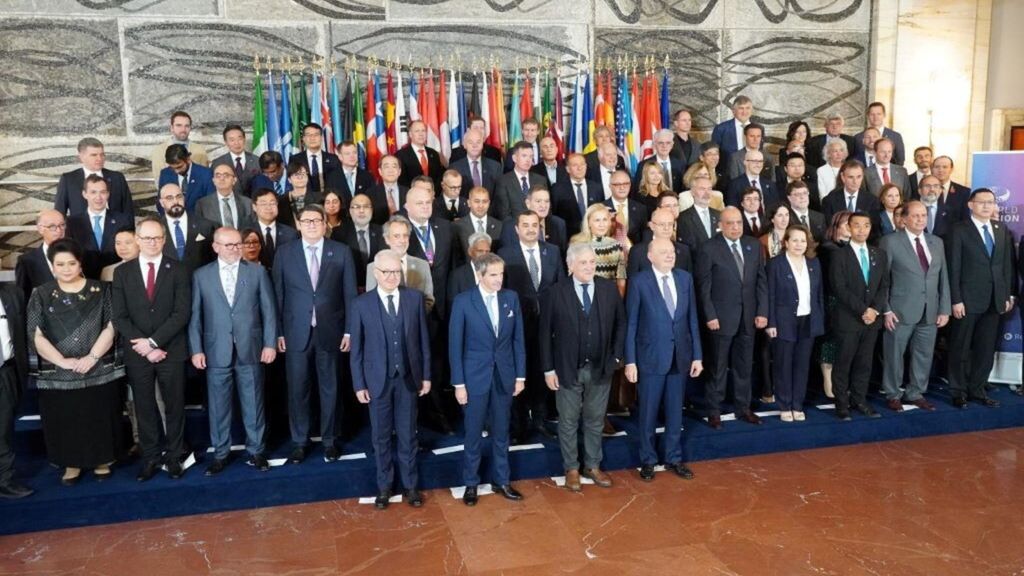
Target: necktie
[
  {"x": 753, "y": 226},
  {"x": 803, "y": 219},
  {"x": 580, "y": 200},
  {"x": 622, "y": 214},
  {"x": 492, "y": 311},
  {"x": 864, "y": 266},
  {"x": 392, "y": 311},
  {"x": 392, "y": 201},
  {"x": 238, "y": 167},
  {"x": 921, "y": 257},
  {"x": 314, "y": 275},
  {"x": 351, "y": 178},
  {"x": 885, "y": 175},
  {"x": 179, "y": 239},
  {"x": 738, "y": 258},
  {"x": 525, "y": 185},
  {"x": 424, "y": 166},
  {"x": 97, "y": 231},
  {"x": 990, "y": 244},
  {"x": 755, "y": 184},
  {"x": 931, "y": 218},
  {"x": 428, "y": 247},
  {"x": 871, "y": 161},
  {"x": 668, "y": 173},
  {"x": 477, "y": 180},
  {"x": 480, "y": 226},
  {"x": 277, "y": 187},
  {"x": 229, "y": 284},
  {"x": 452, "y": 209},
  {"x": 229, "y": 219},
  {"x": 184, "y": 184},
  {"x": 851, "y": 203},
  {"x": 534, "y": 269},
  {"x": 268, "y": 241},
  {"x": 586, "y": 298},
  {"x": 666, "y": 292},
  {"x": 705, "y": 219},
  {"x": 151, "y": 282},
  {"x": 364, "y": 248},
  {"x": 314, "y": 171}
]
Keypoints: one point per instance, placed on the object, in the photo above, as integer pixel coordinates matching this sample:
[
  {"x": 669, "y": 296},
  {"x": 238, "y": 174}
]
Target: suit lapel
[{"x": 478, "y": 302}]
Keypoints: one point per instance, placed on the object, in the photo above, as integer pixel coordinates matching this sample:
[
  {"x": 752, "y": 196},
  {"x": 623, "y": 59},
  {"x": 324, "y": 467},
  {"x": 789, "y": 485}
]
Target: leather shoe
[
  {"x": 382, "y": 500},
  {"x": 867, "y": 411},
  {"x": 259, "y": 462},
  {"x": 470, "y": 498},
  {"x": 148, "y": 470},
  {"x": 543, "y": 431},
  {"x": 843, "y": 414},
  {"x": 681, "y": 470},
  {"x": 715, "y": 421},
  {"x": 331, "y": 454},
  {"x": 608, "y": 429},
  {"x": 174, "y": 470},
  {"x": 298, "y": 455},
  {"x": 895, "y": 404},
  {"x": 216, "y": 467},
  {"x": 572, "y": 480},
  {"x": 986, "y": 401},
  {"x": 750, "y": 417},
  {"x": 600, "y": 478},
  {"x": 923, "y": 404},
  {"x": 508, "y": 492},
  {"x": 414, "y": 498},
  {"x": 959, "y": 402},
  {"x": 14, "y": 490},
  {"x": 647, "y": 473}
]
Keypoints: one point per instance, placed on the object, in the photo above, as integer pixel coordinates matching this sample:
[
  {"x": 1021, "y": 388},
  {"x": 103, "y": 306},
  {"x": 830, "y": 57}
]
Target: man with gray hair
[
  {"x": 69, "y": 200},
  {"x": 415, "y": 272},
  {"x": 582, "y": 333},
  {"x": 672, "y": 167},
  {"x": 834, "y": 124},
  {"x": 463, "y": 278}
]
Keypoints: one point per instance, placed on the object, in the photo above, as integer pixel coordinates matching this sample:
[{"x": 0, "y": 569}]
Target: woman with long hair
[{"x": 837, "y": 237}]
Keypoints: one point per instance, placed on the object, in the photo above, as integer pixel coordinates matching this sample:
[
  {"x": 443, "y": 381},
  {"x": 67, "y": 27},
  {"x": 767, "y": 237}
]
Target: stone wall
[{"x": 115, "y": 69}]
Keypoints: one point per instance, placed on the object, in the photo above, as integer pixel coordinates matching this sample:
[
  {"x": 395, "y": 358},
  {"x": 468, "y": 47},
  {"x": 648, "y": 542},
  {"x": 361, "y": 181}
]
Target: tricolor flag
[
  {"x": 414, "y": 100},
  {"x": 576, "y": 126},
  {"x": 358, "y": 135},
  {"x": 500, "y": 99},
  {"x": 286, "y": 120},
  {"x": 372, "y": 151},
  {"x": 401, "y": 121},
  {"x": 556, "y": 128},
  {"x": 259, "y": 124},
  {"x": 303, "y": 117},
  {"x": 297, "y": 123},
  {"x": 538, "y": 112},
  {"x": 599, "y": 103},
  {"x": 589, "y": 144},
  {"x": 389, "y": 116},
  {"x": 428, "y": 104},
  {"x": 315, "y": 114},
  {"x": 456, "y": 113},
  {"x": 443, "y": 129},
  {"x": 526, "y": 102},
  {"x": 666, "y": 114},
  {"x": 634, "y": 126},
  {"x": 463, "y": 121},
  {"x": 488, "y": 106}
]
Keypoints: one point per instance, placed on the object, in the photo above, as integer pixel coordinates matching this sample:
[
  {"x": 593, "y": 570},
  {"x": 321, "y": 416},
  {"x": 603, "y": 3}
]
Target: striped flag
[
  {"x": 666, "y": 113},
  {"x": 526, "y": 102},
  {"x": 456, "y": 113},
  {"x": 401, "y": 121},
  {"x": 273, "y": 125},
  {"x": 634, "y": 125},
  {"x": 515, "y": 131},
  {"x": 372, "y": 151},
  {"x": 414, "y": 100},
  {"x": 444, "y": 133},
  {"x": 286, "y": 120},
  {"x": 428, "y": 105},
  {"x": 315, "y": 114},
  {"x": 389, "y": 116},
  {"x": 259, "y": 123},
  {"x": 358, "y": 134},
  {"x": 576, "y": 119},
  {"x": 538, "y": 112},
  {"x": 499, "y": 90},
  {"x": 557, "y": 124},
  {"x": 325, "y": 115},
  {"x": 589, "y": 144}
]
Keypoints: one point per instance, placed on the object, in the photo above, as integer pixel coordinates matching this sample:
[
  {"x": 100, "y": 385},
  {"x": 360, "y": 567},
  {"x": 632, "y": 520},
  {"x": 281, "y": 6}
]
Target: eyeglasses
[
  {"x": 251, "y": 242},
  {"x": 755, "y": 161},
  {"x": 266, "y": 204},
  {"x": 149, "y": 238},
  {"x": 389, "y": 272},
  {"x": 620, "y": 183},
  {"x": 311, "y": 221}
]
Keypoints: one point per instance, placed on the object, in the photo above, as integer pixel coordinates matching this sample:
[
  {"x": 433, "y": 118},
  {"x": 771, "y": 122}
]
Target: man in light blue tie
[{"x": 96, "y": 228}]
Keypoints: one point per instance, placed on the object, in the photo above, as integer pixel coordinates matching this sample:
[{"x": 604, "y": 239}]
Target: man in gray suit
[
  {"x": 232, "y": 330},
  {"x": 917, "y": 264},
  {"x": 753, "y": 136},
  {"x": 512, "y": 188},
  {"x": 244, "y": 163},
  {"x": 415, "y": 271},
  {"x": 478, "y": 220},
  {"x": 226, "y": 207},
  {"x": 885, "y": 171}
]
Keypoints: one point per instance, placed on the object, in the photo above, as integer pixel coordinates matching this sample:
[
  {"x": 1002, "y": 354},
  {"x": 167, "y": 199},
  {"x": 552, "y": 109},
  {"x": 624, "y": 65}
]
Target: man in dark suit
[
  {"x": 865, "y": 152},
  {"x": 69, "y": 199},
  {"x": 273, "y": 234},
  {"x": 698, "y": 223},
  {"x": 953, "y": 195},
  {"x": 940, "y": 218},
  {"x": 572, "y": 195},
  {"x": 321, "y": 165},
  {"x": 33, "y": 267},
  {"x": 662, "y": 352},
  {"x": 532, "y": 267},
  {"x": 188, "y": 236},
  {"x": 315, "y": 282},
  {"x": 95, "y": 229},
  {"x": 432, "y": 239},
  {"x": 581, "y": 336},
  {"x": 979, "y": 251},
  {"x": 729, "y": 134},
  {"x": 603, "y": 161},
  {"x": 794, "y": 169},
  {"x": 349, "y": 179},
  {"x": 476, "y": 168},
  {"x": 243, "y": 163},
  {"x": 734, "y": 302},
  {"x": 886, "y": 171},
  {"x": 662, "y": 225},
  {"x": 419, "y": 160},
  {"x": 859, "y": 280},
  {"x": 233, "y": 329},
  {"x": 390, "y": 367},
  {"x": 753, "y": 138},
  {"x": 388, "y": 196},
  {"x": 531, "y": 129},
  {"x": 272, "y": 175},
  {"x": 511, "y": 190},
  {"x": 798, "y": 195},
  {"x": 849, "y": 197},
  {"x": 753, "y": 177},
  {"x": 478, "y": 220},
  {"x": 487, "y": 151},
  {"x": 226, "y": 207},
  {"x": 450, "y": 204},
  {"x": 684, "y": 146},
  {"x": 463, "y": 278},
  {"x": 923, "y": 161},
  {"x": 834, "y": 124},
  {"x": 627, "y": 213},
  {"x": 362, "y": 236},
  {"x": 488, "y": 359},
  {"x": 552, "y": 228},
  {"x": 150, "y": 304},
  {"x": 549, "y": 166},
  {"x": 755, "y": 222},
  {"x": 876, "y": 119},
  {"x": 194, "y": 180},
  {"x": 13, "y": 372},
  {"x": 672, "y": 168}
]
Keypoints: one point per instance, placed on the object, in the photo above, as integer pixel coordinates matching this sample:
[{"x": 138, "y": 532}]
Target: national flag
[
  {"x": 515, "y": 129},
  {"x": 538, "y": 112},
  {"x": 259, "y": 123},
  {"x": 358, "y": 134},
  {"x": 315, "y": 114},
  {"x": 429, "y": 105},
  {"x": 557, "y": 127},
  {"x": 599, "y": 101},
  {"x": 589, "y": 143},
  {"x": 546, "y": 106},
  {"x": 634, "y": 126},
  {"x": 456, "y": 113},
  {"x": 336, "y": 117},
  {"x": 666, "y": 114},
  {"x": 303, "y": 117},
  {"x": 575, "y": 143},
  {"x": 500, "y": 99},
  {"x": 325, "y": 115},
  {"x": 273, "y": 125},
  {"x": 347, "y": 112},
  {"x": 474, "y": 100},
  {"x": 286, "y": 120},
  {"x": 609, "y": 101},
  {"x": 493, "y": 128},
  {"x": 463, "y": 121},
  {"x": 620, "y": 118},
  {"x": 389, "y": 116},
  {"x": 297, "y": 124},
  {"x": 372, "y": 152},
  {"x": 414, "y": 97},
  {"x": 401, "y": 121},
  {"x": 650, "y": 116},
  {"x": 444, "y": 133},
  {"x": 526, "y": 102}
]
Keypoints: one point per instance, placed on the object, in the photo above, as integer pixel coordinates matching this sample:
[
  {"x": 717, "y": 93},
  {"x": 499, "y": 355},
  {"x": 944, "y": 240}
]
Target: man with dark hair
[
  {"x": 478, "y": 221},
  {"x": 954, "y": 196},
  {"x": 181, "y": 130},
  {"x": 684, "y": 146},
  {"x": 387, "y": 196},
  {"x": 362, "y": 236},
  {"x": 320, "y": 163},
  {"x": 875, "y": 117},
  {"x": 91, "y": 155},
  {"x": 273, "y": 234},
  {"x": 549, "y": 166},
  {"x": 848, "y": 196},
  {"x": 188, "y": 237},
  {"x": 729, "y": 134},
  {"x": 531, "y": 129},
  {"x": 272, "y": 174},
  {"x": 794, "y": 168},
  {"x": 95, "y": 229},
  {"x": 753, "y": 141},
  {"x": 572, "y": 195},
  {"x": 450, "y": 204},
  {"x": 34, "y": 267},
  {"x": 923, "y": 161},
  {"x": 350, "y": 179},
  {"x": 886, "y": 171},
  {"x": 244, "y": 163},
  {"x": 513, "y": 186},
  {"x": 798, "y": 195},
  {"x": 194, "y": 179},
  {"x": 13, "y": 372}
]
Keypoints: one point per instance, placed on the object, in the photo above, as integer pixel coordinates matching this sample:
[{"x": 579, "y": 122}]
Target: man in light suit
[
  {"x": 226, "y": 207},
  {"x": 513, "y": 186},
  {"x": 315, "y": 282},
  {"x": 415, "y": 272},
  {"x": 662, "y": 352},
  {"x": 478, "y": 219},
  {"x": 917, "y": 267},
  {"x": 69, "y": 199},
  {"x": 244, "y": 163},
  {"x": 488, "y": 359},
  {"x": 729, "y": 134},
  {"x": 95, "y": 229},
  {"x": 753, "y": 141},
  {"x": 33, "y": 267},
  {"x": 390, "y": 363},
  {"x": 876, "y": 119},
  {"x": 233, "y": 329},
  {"x": 181, "y": 130},
  {"x": 885, "y": 171},
  {"x": 195, "y": 180},
  {"x": 476, "y": 169}
]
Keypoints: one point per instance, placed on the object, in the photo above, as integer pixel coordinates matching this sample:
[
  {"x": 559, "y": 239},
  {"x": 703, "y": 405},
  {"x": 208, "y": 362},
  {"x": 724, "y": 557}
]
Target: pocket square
[
  {"x": 200, "y": 238},
  {"x": 511, "y": 314}
]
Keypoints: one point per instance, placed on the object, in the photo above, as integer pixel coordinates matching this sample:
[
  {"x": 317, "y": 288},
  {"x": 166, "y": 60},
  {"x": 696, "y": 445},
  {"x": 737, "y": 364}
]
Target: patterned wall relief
[{"x": 274, "y": 10}]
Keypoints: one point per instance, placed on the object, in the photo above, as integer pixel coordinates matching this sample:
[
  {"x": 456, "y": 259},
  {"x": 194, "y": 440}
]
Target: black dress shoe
[
  {"x": 715, "y": 421},
  {"x": 470, "y": 498},
  {"x": 414, "y": 498},
  {"x": 959, "y": 402},
  {"x": 543, "y": 431},
  {"x": 749, "y": 417},
  {"x": 331, "y": 454},
  {"x": 843, "y": 414},
  {"x": 508, "y": 492},
  {"x": 867, "y": 410},
  {"x": 259, "y": 462},
  {"x": 681, "y": 470},
  {"x": 298, "y": 455},
  {"x": 216, "y": 467},
  {"x": 174, "y": 470},
  {"x": 14, "y": 490},
  {"x": 986, "y": 401},
  {"x": 382, "y": 500},
  {"x": 647, "y": 471},
  {"x": 148, "y": 470}
]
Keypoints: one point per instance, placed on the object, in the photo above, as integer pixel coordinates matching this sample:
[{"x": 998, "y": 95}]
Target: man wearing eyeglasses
[
  {"x": 315, "y": 282},
  {"x": 232, "y": 331},
  {"x": 33, "y": 267},
  {"x": 662, "y": 225},
  {"x": 752, "y": 178},
  {"x": 225, "y": 207}
]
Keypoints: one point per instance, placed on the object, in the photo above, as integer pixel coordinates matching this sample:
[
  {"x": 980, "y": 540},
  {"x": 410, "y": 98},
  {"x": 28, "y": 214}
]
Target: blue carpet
[{"x": 240, "y": 487}]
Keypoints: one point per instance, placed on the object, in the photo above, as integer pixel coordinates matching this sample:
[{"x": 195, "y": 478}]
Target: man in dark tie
[
  {"x": 513, "y": 186},
  {"x": 753, "y": 216},
  {"x": 450, "y": 204},
  {"x": 188, "y": 235},
  {"x": 95, "y": 229},
  {"x": 629, "y": 216},
  {"x": 610, "y": 163},
  {"x": 476, "y": 168},
  {"x": 13, "y": 372},
  {"x": 923, "y": 161},
  {"x": 875, "y": 117},
  {"x": 698, "y": 223},
  {"x": 752, "y": 178},
  {"x": 798, "y": 193},
  {"x": 195, "y": 180},
  {"x": 388, "y": 196},
  {"x": 244, "y": 163},
  {"x": 350, "y": 179},
  {"x": 672, "y": 168},
  {"x": 953, "y": 195},
  {"x": 488, "y": 359},
  {"x": 271, "y": 175},
  {"x": 478, "y": 220},
  {"x": 661, "y": 225},
  {"x": 794, "y": 168},
  {"x": 321, "y": 165},
  {"x": 549, "y": 166},
  {"x": 390, "y": 363},
  {"x": 582, "y": 332},
  {"x": 34, "y": 267},
  {"x": 363, "y": 237},
  {"x": 272, "y": 233},
  {"x": 847, "y": 196},
  {"x": 233, "y": 329},
  {"x": 91, "y": 154},
  {"x": 225, "y": 207},
  {"x": 940, "y": 218},
  {"x": 662, "y": 352},
  {"x": 531, "y": 129},
  {"x": 150, "y": 303},
  {"x": 571, "y": 196},
  {"x": 753, "y": 138}
]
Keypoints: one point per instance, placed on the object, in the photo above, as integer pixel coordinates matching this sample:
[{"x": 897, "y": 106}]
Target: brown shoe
[
  {"x": 572, "y": 480},
  {"x": 608, "y": 430},
  {"x": 895, "y": 405},
  {"x": 715, "y": 421},
  {"x": 600, "y": 478},
  {"x": 924, "y": 404}
]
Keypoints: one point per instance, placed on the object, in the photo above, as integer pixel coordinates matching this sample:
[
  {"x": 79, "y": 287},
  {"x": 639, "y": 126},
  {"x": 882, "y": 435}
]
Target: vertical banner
[{"x": 1003, "y": 173}]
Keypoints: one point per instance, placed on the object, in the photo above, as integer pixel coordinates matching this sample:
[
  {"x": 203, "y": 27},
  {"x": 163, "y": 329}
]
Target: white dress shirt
[
  {"x": 740, "y": 140},
  {"x": 6, "y": 343},
  {"x": 803, "y": 286},
  {"x": 228, "y": 279},
  {"x": 660, "y": 276},
  {"x": 144, "y": 266},
  {"x": 384, "y": 295},
  {"x": 924, "y": 244},
  {"x": 536, "y": 255}
]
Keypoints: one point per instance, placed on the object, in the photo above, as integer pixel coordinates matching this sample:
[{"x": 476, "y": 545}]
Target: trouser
[
  {"x": 791, "y": 363},
  {"x": 220, "y": 385},
  {"x": 492, "y": 406},
  {"x": 852, "y": 370},
  {"x": 297, "y": 367},
  {"x": 661, "y": 391},
  {"x": 921, "y": 339},
  {"x": 9, "y": 393},
  {"x": 585, "y": 399},
  {"x": 146, "y": 379},
  {"x": 972, "y": 340},
  {"x": 733, "y": 354},
  {"x": 394, "y": 410}
]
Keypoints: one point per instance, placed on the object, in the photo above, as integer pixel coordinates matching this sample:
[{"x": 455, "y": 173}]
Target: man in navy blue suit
[
  {"x": 315, "y": 281},
  {"x": 195, "y": 180},
  {"x": 96, "y": 228},
  {"x": 876, "y": 119},
  {"x": 662, "y": 351},
  {"x": 488, "y": 358},
  {"x": 752, "y": 178},
  {"x": 390, "y": 367},
  {"x": 729, "y": 134}
]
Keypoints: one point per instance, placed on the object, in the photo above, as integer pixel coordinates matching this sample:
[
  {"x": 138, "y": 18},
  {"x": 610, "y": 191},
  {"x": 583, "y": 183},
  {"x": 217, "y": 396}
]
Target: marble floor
[{"x": 926, "y": 506}]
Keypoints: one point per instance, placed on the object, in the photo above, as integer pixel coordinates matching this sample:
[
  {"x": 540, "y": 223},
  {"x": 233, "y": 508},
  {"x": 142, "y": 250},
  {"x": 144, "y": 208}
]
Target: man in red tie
[
  {"x": 885, "y": 171},
  {"x": 418, "y": 159}
]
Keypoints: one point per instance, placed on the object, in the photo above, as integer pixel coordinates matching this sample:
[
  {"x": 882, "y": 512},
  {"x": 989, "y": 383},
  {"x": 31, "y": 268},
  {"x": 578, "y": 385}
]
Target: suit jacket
[
  {"x": 410, "y": 162},
  {"x": 461, "y": 279},
  {"x": 560, "y": 328},
  {"x": 565, "y": 206},
  {"x": 897, "y": 175},
  {"x": 955, "y": 201},
  {"x": 70, "y": 202},
  {"x": 31, "y": 270},
  {"x": 555, "y": 233},
  {"x": 915, "y": 194},
  {"x": 594, "y": 165},
  {"x": 690, "y": 230},
  {"x": 726, "y": 297},
  {"x": 250, "y": 170},
  {"x": 14, "y": 309},
  {"x": 836, "y": 202},
  {"x": 942, "y": 220},
  {"x": 379, "y": 200},
  {"x": 654, "y": 341},
  {"x": 782, "y": 183},
  {"x": 232, "y": 333},
  {"x": 916, "y": 296},
  {"x": 815, "y": 221},
  {"x": 736, "y": 166},
  {"x": 261, "y": 181},
  {"x": 96, "y": 257},
  {"x": 464, "y": 228},
  {"x": 490, "y": 171},
  {"x": 784, "y": 298},
  {"x": 198, "y": 242},
  {"x": 285, "y": 234},
  {"x": 678, "y": 169},
  {"x": 417, "y": 277},
  {"x": 489, "y": 152},
  {"x": 769, "y": 196},
  {"x": 446, "y": 257},
  {"x": 475, "y": 353},
  {"x": 638, "y": 261},
  {"x": 899, "y": 150},
  {"x": 724, "y": 134},
  {"x": 164, "y": 320},
  {"x": 347, "y": 235},
  {"x": 200, "y": 183},
  {"x": 517, "y": 273},
  {"x": 297, "y": 299},
  {"x": 541, "y": 170},
  {"x": 815, "y": 148},
  {"x": 637, "y": 219},
  {"x": 368, "y": 358},
  {"x": 208, "y": 208},
  {"x": 975, "y": 279},
  {"x": 442, "y": 208},
  {"x": 509, "y": 198},
  {"x": 364, "y": 182},
  {"x": 677, "y": 150},
  {"x": 331, "y": 164},
  {"x": 853, "y": 295},
  {"x": 508, "y": 164},
  {"x": 158, "y": 157},
  {"x": 886, "y": 224}
]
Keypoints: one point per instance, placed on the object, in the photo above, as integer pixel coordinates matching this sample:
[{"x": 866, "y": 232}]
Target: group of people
[{"x": 508, "y": 288}]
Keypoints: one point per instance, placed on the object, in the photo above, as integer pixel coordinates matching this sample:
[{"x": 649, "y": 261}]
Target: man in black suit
[
  {"x": 953, "y": 195},
  {"x": 33, "y": 267},
  {"x": 662, "y": 225},
  {"x": 923, "y": 161},
  {"x": 244, "y": 163},
  {"x": 531, "y": 129},
  {"x": 272, "y": 233},
  {"x": 627, "y": 213},
  {"x": 572, "y": 195},
  {"x": 510, "y": 192},
  {"x": 549, "y": 167},
  {"x": 552, "y": 228},
  {"x": 476, "y": 168},
  {"x": 671, "y": 167},
  {"x": 940, "y": 217},
  {"x": 753, "y": 217},
  {"x": 388, "y": 196},
  {"x": 464, "y": 277},
  {"x": 69, "y": 199},
  {"x": 320, "y": 164},
  {"x": 733, "y": 295},
  {"x": 859, "y": 279},
  {"x": 698, "y": 223},
  {"x": 350, "y": 179},
  {"x": 363, "y": 236},
  {"x": 581, "y": 338},
  {"x": 849, "y": 197},
  {"x": 875, "y": 117},
  {"x": 815, "y": 148},
  {"x": 753, "y": 138},
  {"x": 799, "y": 196},
  {"x": 979, "y": 252},
  {"x": 752, "y": 177},
  {"x": 151, "y": 302},
  {"x": 188, "y": 237},
  {"x": 450, "y": 204},
  {"x": 417, "y": 159},
  {"x": 793, "y": 169},
  {"x": 95, "y": 229},
  {"x": 684, "y": 146},
  {"x": 432, "y": 239},
  {"x": 477, "y": 221},
  {"x": 486, "y": 150},
  {"x": 609, "y": 163},
  {"x": 13, "y": 371}
]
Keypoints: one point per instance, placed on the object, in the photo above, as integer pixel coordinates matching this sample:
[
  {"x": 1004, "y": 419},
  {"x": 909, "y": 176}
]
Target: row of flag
[{"x": 375, "y": 113}]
